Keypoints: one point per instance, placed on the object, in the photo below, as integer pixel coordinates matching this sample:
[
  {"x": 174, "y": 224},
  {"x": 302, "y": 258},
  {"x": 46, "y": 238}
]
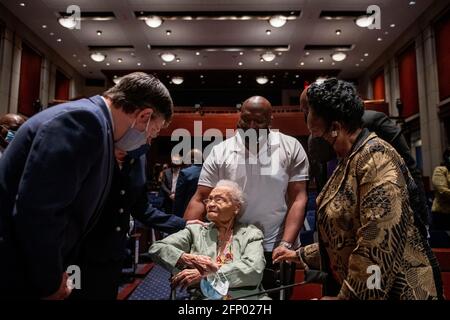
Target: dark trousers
[
  {"x": 272, "y": 277},
  {"x": 439, "y": 228}
]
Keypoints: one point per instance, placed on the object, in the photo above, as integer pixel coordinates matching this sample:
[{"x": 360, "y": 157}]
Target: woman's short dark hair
[
  {"x": 139, "y": 90},
  {"x": 336, "y": 100}
]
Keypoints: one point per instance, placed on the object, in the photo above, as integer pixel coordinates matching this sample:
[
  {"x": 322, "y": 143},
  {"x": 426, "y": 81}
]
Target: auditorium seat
[
  {"x": 443, "y": 257},
  {"x": 305, "y": 292}
]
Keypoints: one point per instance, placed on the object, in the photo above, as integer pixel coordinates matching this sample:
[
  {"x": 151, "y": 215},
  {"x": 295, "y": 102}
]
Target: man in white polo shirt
[{"x": 272, "y": 169}]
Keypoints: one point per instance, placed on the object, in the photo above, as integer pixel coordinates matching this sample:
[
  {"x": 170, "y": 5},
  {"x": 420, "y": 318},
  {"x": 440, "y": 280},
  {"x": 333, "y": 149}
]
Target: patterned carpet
[{"x": 156, "y": 286}]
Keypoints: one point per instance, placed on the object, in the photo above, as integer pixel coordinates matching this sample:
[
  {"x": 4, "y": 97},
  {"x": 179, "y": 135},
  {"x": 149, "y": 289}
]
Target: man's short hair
[{"x": 139, "y": 90}]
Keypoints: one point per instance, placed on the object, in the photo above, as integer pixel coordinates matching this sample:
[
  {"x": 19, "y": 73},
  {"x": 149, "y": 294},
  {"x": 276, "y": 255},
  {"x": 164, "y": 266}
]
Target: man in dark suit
[
  {"x": 103, "y": 250},
  {"x": 55, "y": 175},
  {"x": 187, "y": 182},
  {"x": 169, "y": 183}
]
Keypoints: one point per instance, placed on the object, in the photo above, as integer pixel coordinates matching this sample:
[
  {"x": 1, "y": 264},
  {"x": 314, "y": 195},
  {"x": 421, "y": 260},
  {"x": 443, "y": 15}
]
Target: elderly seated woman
[{"x": 232, "y": 249}]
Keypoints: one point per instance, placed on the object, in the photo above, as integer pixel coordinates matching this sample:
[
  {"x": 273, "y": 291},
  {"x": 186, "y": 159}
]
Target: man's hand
[
  {"x": 186, "y": 278},
  {"x": 63, "y": 292},
  {"x": 281, "y": 253},
  {"x": 203, "y": 264},
  {"x": 172, "y": 196},
  {"x": 196, "y": 221}
]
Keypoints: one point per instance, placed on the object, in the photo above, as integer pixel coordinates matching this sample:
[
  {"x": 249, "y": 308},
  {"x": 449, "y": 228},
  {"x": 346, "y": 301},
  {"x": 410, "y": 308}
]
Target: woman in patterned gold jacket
[{"x": 371, "y": 243}]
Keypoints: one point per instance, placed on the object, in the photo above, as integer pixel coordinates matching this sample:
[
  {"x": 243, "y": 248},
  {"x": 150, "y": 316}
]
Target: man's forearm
[
  {"x": 294, "y": 221},
  {"x": 195, "y": 210}
]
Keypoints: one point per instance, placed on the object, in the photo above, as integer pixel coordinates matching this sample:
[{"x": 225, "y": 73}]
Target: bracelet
[{"x": 286, "y": 244}]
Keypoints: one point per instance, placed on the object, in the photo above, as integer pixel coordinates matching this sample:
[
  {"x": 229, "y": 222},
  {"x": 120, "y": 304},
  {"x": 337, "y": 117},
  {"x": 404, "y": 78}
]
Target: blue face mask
[
  {"x": 133, "y": 138},
  {"x": 137, "y": 153},
  {"x": 10, "y": 136},
  {"x": 213, "y": 287}
]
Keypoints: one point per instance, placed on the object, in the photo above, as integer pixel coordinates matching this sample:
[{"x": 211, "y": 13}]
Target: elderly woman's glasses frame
[{"x": 218, "y": 200}]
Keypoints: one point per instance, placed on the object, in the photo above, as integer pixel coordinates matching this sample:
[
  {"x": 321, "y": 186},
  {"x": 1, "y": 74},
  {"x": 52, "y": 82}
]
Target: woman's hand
[
  {"x": 284, "y": 254},
  {"x": 203, "y": 264},
  {"x": 186, "y": 278}
]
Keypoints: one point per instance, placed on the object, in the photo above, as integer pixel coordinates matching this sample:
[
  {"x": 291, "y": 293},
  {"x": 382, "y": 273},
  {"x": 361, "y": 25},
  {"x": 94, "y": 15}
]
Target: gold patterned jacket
[{"x": 368, "y": 243}]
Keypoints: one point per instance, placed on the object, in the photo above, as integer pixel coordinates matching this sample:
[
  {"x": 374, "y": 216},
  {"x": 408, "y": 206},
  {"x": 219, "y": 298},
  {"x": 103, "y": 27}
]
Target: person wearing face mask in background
[
  {"x": 9, "y": 124},
  {"x": 55, "y": 177},
  {"x": 272, "y": 169},
  {"x": 364, "y": 216},
  {"x": 440, "y": 211},
  {"x": 169, "y": 183},
  {"x": 320, "y": 152},
  {"x": 102, "y": 253}
]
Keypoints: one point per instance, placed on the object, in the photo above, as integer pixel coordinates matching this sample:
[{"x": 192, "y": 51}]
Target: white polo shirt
[{"x": 263, "y": 178}]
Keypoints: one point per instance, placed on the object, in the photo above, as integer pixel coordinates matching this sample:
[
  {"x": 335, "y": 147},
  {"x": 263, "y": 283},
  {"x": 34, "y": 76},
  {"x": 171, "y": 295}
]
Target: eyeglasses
[{"x": 218, "y": 200}]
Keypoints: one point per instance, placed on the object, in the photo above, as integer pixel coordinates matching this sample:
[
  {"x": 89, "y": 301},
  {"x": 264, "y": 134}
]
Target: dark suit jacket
[
  {"x": 54, "y": 177},
  {"x": 103, "y": 250},
  {"x": 186, "y": 187},
  {"x": 128, "y": 196}
]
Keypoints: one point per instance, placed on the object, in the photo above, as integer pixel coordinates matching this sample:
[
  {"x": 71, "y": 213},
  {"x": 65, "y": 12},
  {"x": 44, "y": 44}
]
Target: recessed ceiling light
[
  {"x": 52, "y": 34},
  {"x": 268, "y": 32},
  {"x": 139, "y": 64},
  {"x": 307, "y": 53},
  {"x": 379, "y": 39},
  {"x": 274, "y": 76},
  {"x": 108, "y": 64},
  {"x": 241, "y": 53},
  {"x": 333, "y": 63},
  {"x": 153, "y": 21},
  {"x": 177, "y": 80},
  {"x": 365, "y": 21},
  {"x": 164, "y": 63},
  {"x": 119, "y": 60},
  {"x": 240, "y": 63},
  {"x": 357, "y": 64},
  {"x": 74, "y": 55},
  {"x": 59, "y": 40},
  {"x": 338, "y": 32},
  {"x": 197, "y": 53},
  {"x": 168, "y": 56},
  {"x": 44, "y": 26},
  {"x": 362, "y": 60},
  {"x": 177, "y": 59},
  {"x": 411, "y": 3},
  {"x": 297, "y": 75},
  {"x": 239, "y": 76},
  {"x": 268, "y": 56},
  {"x": 271, "y": 81},
  {"x": 99, "y": 32},
  {"x": 366, "y": 54},
  {"x": 338, "y": 56},
  {"x": 262, "y": 80},
  {"x": 116, "y": 79},
  {"x": 84, "y": 66},
  {"x": 168, "y": 32},
  {"x": 261, "y": 60},
  {"x": 277, "y": 21},
  {"x": 22, "y": 4},
  {"x": 68, "y": 22},
  {"x": 239, "y": 82},
  {"x": 276, "y": 63},
  {"x": 392, "y": 25},
  {"x": 201, "y": 76},
  {"x": 302, "y": 63},
  {"x": 321, "y": 60},
  {"x": 98, "y": 57}
]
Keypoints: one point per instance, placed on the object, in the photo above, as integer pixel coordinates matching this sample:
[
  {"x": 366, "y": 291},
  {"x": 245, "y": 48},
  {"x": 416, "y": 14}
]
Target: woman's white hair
[{"x": 235, "y": 191}]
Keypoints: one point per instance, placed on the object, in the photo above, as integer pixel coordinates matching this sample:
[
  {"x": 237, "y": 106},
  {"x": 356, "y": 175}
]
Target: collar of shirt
[{"x": 109, "y": 111}]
